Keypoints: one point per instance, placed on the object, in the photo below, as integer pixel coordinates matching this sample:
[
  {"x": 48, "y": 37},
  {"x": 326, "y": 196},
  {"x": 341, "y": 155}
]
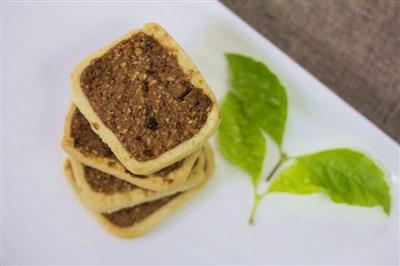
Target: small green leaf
[
  {"x": 346, "y": 176},
  {"x": 296, "y": 179},
  {"x": 264, "y": 97},
  {"x": 240, "y": 141}
]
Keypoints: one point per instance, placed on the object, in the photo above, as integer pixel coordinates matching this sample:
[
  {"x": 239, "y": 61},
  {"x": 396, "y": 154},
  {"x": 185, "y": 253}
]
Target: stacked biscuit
[{"x": 136, "y": 133}]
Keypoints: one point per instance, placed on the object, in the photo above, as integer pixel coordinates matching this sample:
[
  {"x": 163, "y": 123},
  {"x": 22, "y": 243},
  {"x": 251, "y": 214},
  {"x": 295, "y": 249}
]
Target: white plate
[{"x": 43, "y": 222}]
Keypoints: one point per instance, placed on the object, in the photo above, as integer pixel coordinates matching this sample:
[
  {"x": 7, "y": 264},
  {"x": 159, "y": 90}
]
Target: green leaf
[
  {"x": 240, "y": 141},
  {"x": 296, "y": 179},
  {"x": 264, "y": 97},
  {"x": 346, "y": 176}
]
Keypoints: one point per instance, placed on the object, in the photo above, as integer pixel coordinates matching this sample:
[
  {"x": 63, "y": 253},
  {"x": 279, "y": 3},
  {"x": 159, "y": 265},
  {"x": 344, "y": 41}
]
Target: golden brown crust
[
  {"x": 171, "y": 156},
  {"x": 113, "y": 167},
  {"x": 148, "y": 223},
  {"x": 101, "y": 202}
]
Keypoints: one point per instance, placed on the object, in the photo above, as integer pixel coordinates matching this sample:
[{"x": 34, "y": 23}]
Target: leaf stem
[
  {"x": 258, "y": 197},
  {"x": 283, "y": 158},
  {"x": 256, "y": 201}
]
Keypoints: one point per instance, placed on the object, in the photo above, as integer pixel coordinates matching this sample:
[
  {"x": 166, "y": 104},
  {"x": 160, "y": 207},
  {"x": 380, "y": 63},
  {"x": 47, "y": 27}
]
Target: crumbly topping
[
  {"x": 141, "y": 93},
  {"x": 130, "y": 216},
  {"x": 85, "y": 139},
  {"x": 88, "y": 142},
  {"x": 105, "y": 183}
]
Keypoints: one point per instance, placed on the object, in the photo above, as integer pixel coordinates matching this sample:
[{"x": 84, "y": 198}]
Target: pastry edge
[
  {"x": 101, "y": 202},
  {"x": 113, "y": 167},
  {"x": 173, "y": 155},
  {"x": 151, "y": 221}
]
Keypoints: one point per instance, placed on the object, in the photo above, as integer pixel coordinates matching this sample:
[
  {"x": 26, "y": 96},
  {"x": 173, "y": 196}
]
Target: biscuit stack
[{"x": 137, "y": 131}]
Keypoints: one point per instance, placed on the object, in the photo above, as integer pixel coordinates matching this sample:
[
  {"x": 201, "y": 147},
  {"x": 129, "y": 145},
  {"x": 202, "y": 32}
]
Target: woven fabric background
[{"x": 351, "y": 46}]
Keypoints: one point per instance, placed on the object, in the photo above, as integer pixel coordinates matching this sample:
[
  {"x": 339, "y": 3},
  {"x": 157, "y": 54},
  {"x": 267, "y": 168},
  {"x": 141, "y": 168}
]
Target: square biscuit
[
  {"x": 85, "y": 146},
  {"x": 145, "y": 99},
  {"x": 135, "y": 221},
  {"x": 105, "y": 193}
]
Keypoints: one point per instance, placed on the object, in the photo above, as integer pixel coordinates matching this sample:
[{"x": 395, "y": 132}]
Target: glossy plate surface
[{"x": 43, "y": 222}]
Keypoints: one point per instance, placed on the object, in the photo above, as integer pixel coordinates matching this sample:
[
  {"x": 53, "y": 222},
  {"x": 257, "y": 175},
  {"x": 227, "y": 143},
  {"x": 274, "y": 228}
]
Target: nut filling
[
  {"x": 89, "y": 143},
  {"x": 105, "y": 183},
  {"x": 139, "y": 91},
  {"x": 85, "y": 140},
  {"x": 132, "y": 215}
]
